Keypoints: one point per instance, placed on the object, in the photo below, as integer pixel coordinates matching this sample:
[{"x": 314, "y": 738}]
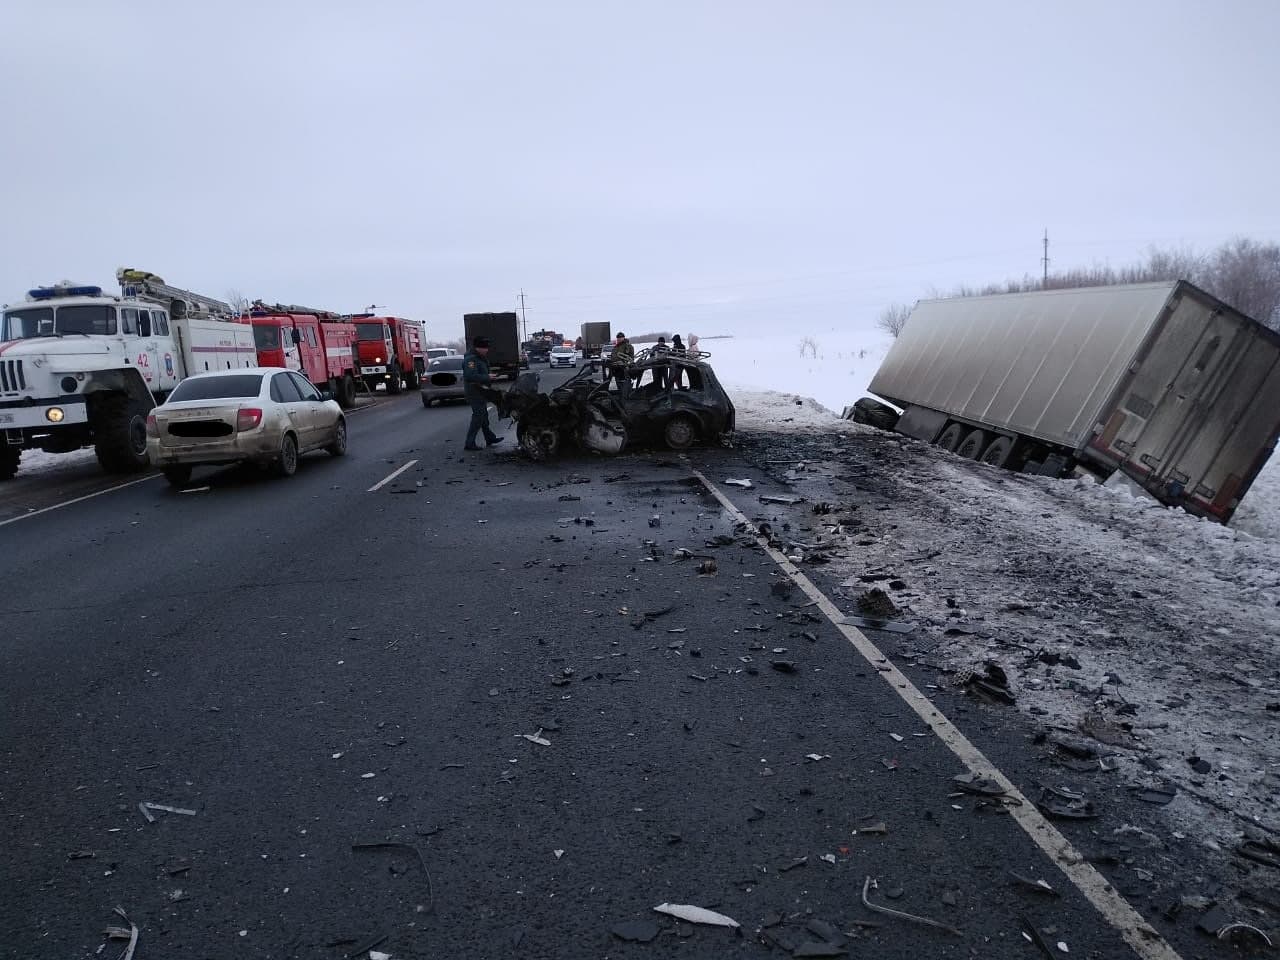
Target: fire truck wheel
[
  {"x": 178, "y": 476},
  {"x": 347, "y": 391},
  {"x": 411, "y": 380},
  {"x": 339, "y": 446},
  {"x": 9, "y": 457},
  {"x": 286, "y": 464},
  {"x": 393, "y": 383},
  {"x": 119, "y": 424}
]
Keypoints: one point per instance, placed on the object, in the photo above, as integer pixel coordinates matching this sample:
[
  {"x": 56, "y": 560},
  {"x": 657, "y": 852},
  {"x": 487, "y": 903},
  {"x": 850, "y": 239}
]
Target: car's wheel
[
  {"x": 951, "y": 437},
  {"x": 339, "y": 446},
  {"x": 999, "y": 452},
  {"x": 426, "y": 401},
  {"x": 971, "y": 446},
  {"x": 286, "y": 464},
  {"x": 9, "y": 457},
  {"x": 178, "y": 475},
  {"x": 681, "y": 432},
  {"x": 540, "y": 439}
]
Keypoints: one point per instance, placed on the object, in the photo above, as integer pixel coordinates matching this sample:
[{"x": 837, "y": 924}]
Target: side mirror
[
  {"x": 326, "y": 394},
  {"x": 296, "y": 335}
]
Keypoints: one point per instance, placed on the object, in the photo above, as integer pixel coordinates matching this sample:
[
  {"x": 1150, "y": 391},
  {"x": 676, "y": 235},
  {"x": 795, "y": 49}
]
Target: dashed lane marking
[
  {"x": 67, "y": 503},
  {"x": 1140, "y": 935},
  {"x": 391, "y": 476}
]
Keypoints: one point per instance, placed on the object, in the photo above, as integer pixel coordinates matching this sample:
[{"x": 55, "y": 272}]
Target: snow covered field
[{"x": 1170, "y": 621}]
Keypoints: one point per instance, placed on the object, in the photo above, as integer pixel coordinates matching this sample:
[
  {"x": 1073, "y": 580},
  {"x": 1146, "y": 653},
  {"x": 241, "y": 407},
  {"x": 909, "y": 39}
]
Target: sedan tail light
[
  {"x": 152, "y": 429},
  {"x": 248, "y": 418}
]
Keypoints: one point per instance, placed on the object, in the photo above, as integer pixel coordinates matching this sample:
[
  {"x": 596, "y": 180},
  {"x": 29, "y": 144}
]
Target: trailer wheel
[
  {"x": 951, "y": 437},
  {"x": 999, "y": 452},
  {"x": 9, "y": 457},
  {"x": 971, "y": 446},
  {"x": 393, "y": 382}
]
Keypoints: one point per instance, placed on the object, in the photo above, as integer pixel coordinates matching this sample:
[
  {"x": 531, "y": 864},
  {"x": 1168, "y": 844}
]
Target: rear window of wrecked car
[{"x": 234, "y": 387}]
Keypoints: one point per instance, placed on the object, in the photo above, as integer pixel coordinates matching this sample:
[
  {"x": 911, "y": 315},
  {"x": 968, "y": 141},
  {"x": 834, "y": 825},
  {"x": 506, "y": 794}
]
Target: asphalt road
[{"x": 311, "y": 666}]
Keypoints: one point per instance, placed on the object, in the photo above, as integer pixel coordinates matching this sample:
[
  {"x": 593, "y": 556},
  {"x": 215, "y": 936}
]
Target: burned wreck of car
[{"x": 674, "y": 400}]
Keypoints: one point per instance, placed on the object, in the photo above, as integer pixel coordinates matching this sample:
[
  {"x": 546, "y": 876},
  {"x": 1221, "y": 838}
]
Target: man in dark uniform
[
  {"x": 624, "y": 354},
  {"x": 475, "y": 374}
]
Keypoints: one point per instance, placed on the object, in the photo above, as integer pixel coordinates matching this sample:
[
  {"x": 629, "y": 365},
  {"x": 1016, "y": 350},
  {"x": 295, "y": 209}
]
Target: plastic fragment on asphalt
[
  {"x": 132, "y": 934},
  {"x": 890, "y": 912},
  {"x": 1038, "y": 886},
  {"x": 897, "y": 737},
  {"x": 558, "y": 853},
  {"x": 872, "y": 623},
  {"x": 781, "y": 499},
  {"x": 537, "y": 738},
  {"x": 147, "y": 806},
  {"x": 379, "y": 955},
  {"x": 196, "y": 489},
  {"x": 1062, "y": 946},
  {"x": 878, "y": 827},
  {"x": 743, "y": 483},
  {"x": 815, "y": 757},
  {"x": 828, "y": 858},
  {"x": 685, "y": 911}
]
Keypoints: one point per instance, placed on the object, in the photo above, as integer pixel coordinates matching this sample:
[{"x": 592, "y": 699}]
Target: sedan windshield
[
  {"x": 233, "y": 386},
  {"x": 92, "y": 319}
]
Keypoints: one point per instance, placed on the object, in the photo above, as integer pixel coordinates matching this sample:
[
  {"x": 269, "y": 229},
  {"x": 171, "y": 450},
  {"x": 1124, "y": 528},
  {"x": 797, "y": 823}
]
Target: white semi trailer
[{"x": 1160, "y": 381}]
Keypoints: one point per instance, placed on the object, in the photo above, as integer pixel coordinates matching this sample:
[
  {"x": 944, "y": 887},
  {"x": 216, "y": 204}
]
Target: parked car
[
  {"x": 443, "y": 380},
  {"x": 435, "y": 353},
  {"x": 563, "y": 357},
  {"x": 265, "y": 415}
]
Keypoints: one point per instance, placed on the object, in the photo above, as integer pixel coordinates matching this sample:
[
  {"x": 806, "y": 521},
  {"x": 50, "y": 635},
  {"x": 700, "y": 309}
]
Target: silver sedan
[
  {"x": 443, "y": 381},
  {"x": 265, "y": 415}
]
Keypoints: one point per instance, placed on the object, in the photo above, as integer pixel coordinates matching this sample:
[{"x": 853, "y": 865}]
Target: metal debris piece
[
  {"x": 685, "y": 911},
  {"x": 410, "y": 848},
  {"x": 975, "y": 784},
  {"x": 890, "y": 912},
  {"x": 1065, "y": 805},
  {"x": 636, "y": 931},
  {"x": 133, "y": 934},
  {"x": 707, "y": 567},
  {"x": 781, "y": 499},
  {"x": 872, "y": 623},
  {"x": 743, "y": 483},
  {"x": 815, "y": 757},
  {"x": 1032, "y": 935},
  {"x": 145, "y": 807},
  {"x": 537, "y": 738},
  {"x": 1233, "y": 928},
  {"x": 877, "y": 827},
  {"x": 1038, "y": 886}
]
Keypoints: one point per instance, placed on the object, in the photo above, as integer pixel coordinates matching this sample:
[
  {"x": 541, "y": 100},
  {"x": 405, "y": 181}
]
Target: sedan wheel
[
  {"x": 539, "y": 440},
  {"x": 680, "y": 433},
  {"x": 426, "y": 401},
  {"x": 287, "y": 463},
  {"x": 339, "y": 446},
  {"x": 178, "y": 475}
]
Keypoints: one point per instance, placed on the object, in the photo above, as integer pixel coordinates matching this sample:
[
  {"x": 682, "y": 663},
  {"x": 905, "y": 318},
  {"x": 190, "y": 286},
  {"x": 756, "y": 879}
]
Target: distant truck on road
[
  {"x": 503, "y": 331},
  {"x": 79, "y": 367},
  {"x": 392, "y": 351},
  {"x": 318, "y": 344},
  {"x": 594, "y": 336},
  {"x": 1159, "y": 381}
]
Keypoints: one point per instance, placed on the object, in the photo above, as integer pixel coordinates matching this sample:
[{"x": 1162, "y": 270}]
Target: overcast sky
[{"x": 718, "y": 167}]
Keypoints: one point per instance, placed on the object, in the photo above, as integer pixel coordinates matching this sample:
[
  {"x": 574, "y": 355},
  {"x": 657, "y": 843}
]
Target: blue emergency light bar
[{"x": 49, "y": 293}]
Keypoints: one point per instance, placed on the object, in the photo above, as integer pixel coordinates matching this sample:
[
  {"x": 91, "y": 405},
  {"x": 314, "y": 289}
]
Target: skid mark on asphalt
[
  {"x": 391, "y": 476},
  {"x": 1145, "y": 941},
  {"x": 67, "y": 503}
]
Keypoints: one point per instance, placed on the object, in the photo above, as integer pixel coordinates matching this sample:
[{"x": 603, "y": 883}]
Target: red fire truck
[
  {"x": 318, "y": 344},
  {"x": 391, "y": 351}
]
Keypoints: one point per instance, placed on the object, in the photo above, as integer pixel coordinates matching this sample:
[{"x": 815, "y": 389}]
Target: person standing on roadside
[
  {"x": 475, "y": 376},
  {"x": 661, "y": 351},
  {"x": 624, "y": 354},
  {"x": 677, "y": 371}
]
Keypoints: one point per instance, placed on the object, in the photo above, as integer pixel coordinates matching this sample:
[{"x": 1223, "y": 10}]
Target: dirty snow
[
  {"x": 1173, "y": 619},
  {"x": 37, "y": 461}
]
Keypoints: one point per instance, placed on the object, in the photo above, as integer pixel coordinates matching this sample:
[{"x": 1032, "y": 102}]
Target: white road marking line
[
  {"x": 1141, "y": 936},
  {"x": 391, "y": 476},
  {"x": 67, "y": 503}
]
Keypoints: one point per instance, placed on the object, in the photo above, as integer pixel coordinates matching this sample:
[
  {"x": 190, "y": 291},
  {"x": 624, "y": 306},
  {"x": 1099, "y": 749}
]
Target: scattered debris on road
[
  {"x": 869, "y": 883},
  {"x": 692, "y": 914},
  {"x": 146, "y": 807}
]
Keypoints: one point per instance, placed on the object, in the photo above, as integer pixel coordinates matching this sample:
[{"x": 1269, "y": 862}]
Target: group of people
[
  {"x": 624, "y": 355},
  {"x": 475, "y": 375}
]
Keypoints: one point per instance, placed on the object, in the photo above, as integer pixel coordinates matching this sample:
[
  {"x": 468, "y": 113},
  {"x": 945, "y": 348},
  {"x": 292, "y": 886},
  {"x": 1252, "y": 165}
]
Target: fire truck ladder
[{"x": 181, "y": 303}]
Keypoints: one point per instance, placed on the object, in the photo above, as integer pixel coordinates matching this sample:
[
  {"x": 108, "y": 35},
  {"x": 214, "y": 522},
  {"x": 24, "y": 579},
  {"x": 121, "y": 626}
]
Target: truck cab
[{"x": 319, "y": 346}]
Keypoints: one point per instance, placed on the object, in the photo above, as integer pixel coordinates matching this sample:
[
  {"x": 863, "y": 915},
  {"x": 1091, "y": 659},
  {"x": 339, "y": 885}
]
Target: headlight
[{"x": 54, "y": 414}]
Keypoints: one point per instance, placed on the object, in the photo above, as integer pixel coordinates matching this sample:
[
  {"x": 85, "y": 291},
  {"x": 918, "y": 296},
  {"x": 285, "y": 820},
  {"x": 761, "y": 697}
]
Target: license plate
[{"x": 373, "y": 369}]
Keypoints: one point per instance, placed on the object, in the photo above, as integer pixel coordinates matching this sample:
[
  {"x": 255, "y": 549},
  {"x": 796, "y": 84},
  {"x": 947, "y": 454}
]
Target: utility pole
[
  {"x": 1045, "y": 260},
  {"x": 523, "y": 322}
]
